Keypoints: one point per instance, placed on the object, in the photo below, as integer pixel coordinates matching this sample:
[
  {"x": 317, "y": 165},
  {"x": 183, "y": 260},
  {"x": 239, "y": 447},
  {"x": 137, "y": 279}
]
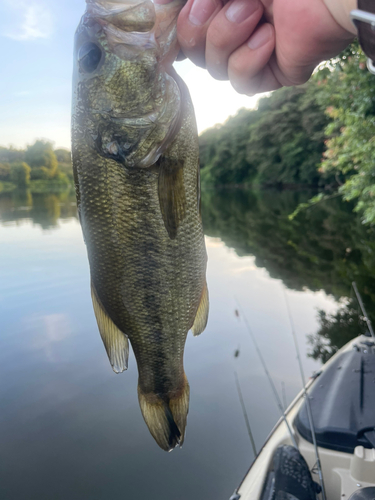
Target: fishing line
[
  {"x": 359, "y": 298},
  {"x": 284, "y": 395},
  {"x": 273, "y": 387},
  {"x": 247, "y": 421},
  {"x": 307, "y": 399}
]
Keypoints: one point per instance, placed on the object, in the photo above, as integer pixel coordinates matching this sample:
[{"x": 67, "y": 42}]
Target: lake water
[{"x": 70, "y": 429}]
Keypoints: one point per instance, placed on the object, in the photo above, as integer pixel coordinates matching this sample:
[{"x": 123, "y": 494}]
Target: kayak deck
[{"x": 343, "y": 472}]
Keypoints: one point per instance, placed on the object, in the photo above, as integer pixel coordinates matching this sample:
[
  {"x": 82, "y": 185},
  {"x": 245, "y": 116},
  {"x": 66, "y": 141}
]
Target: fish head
[{"x": 127, "y": 102}]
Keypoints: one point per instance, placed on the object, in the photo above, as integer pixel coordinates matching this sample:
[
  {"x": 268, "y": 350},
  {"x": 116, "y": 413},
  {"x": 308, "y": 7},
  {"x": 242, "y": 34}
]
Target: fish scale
[{"x": 136, "y": 167}]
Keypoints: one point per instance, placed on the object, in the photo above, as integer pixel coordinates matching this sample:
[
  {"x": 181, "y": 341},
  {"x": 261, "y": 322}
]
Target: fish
[{"x": 135, "y": 160}]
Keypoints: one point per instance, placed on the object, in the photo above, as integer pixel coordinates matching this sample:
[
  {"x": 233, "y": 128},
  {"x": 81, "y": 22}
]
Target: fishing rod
[
  {"x": 284, "y": 395},
  {"x": 273, "y": 387},
  {"x": 362, "y": 306},
  {"x": 307, "y": 399},
  {"x": 247, "y": 421}
]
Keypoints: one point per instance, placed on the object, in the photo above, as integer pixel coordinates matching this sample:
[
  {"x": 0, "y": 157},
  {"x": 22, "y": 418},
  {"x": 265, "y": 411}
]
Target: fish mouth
[
  {"x": 128, "y": 16},
  {"x": 139, "y": 24}
]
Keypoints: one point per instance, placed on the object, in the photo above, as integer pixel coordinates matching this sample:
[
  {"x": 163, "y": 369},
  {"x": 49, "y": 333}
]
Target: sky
[{"x": 36, "y": 42}]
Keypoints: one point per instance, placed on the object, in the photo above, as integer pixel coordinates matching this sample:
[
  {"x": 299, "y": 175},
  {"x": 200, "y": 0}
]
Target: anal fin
[
  {"x": 201, "y": 317},
  {"x": 115, "y": 341}
]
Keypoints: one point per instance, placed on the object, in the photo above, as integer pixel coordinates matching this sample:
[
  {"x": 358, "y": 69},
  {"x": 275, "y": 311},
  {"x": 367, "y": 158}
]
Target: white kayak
[{"x": 342, "y": 399}]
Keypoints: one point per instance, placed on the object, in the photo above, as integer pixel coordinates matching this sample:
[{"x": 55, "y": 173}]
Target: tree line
[
  {"x": 321, "y": 135},
  {"x": 38, "y": 165}
]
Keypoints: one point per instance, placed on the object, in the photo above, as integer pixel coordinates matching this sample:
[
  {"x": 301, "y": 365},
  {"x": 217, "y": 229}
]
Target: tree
[
  {"x": 63, "y": 155},
  {"x": 4, "y": 172},
  {"x": 347, "y": 91},
  {"x": 41, "y": 155},
  {"x": 280, "y": 143},
  {"x": 65, "y": 162},
  {"x": 335, "y": 331},
  {"x": 223, "y": 152},
  {"x": 287, "y": 142},
  {"x": 20, "y": 174},
  {"x": 11, "y": 155}
]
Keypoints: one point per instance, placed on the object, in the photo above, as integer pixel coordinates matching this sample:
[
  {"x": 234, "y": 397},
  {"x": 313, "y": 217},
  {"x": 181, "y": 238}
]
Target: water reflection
[
  {"x": 43, "y": 209},
  {"x": 70, "y": 428},
  {"x": 324, "y": 248}
]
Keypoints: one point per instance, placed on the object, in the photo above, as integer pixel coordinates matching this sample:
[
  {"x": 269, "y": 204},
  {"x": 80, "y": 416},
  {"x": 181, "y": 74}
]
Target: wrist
[{"x": 340, "y": 11}]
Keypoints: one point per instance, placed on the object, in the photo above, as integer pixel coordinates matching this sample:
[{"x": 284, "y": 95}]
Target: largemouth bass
[{"x": 136, "y": 168}]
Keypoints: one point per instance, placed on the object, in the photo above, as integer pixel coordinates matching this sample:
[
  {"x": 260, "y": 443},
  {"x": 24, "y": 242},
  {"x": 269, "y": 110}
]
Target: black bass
[{"x": 136, "y": 168}]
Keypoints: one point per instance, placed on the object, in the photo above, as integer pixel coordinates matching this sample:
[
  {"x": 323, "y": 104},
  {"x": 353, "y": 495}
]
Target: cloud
[
  {"x": 36, "y": 22},
  {"x": 48, "y": 333}
]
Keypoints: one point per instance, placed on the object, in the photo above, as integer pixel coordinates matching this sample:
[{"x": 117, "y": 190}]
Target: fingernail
[
  {"x": 261, "y": 37},
  {"x": 240, "y": 10},
  {"x": 201, "y": 11}
]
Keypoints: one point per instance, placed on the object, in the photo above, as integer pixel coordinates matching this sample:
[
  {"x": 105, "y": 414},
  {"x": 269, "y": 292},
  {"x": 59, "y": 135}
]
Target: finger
[
  {"x": 229, "y": 29},
  {"x": 264, "y": 81},
  {"x": 247, "y": 66},
  {"x": 192, "y": 26}
]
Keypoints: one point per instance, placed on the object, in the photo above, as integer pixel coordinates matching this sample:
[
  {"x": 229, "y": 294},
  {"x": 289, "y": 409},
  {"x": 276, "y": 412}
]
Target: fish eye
[{"x": 89, "y": 57}]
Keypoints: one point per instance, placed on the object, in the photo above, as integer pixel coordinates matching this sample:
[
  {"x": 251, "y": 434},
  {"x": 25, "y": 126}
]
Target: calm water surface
[{"x": 71, "y": 429}]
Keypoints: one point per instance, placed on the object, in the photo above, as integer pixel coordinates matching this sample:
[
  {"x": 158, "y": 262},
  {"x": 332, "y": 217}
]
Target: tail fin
[{"x": 166, "y": 418}]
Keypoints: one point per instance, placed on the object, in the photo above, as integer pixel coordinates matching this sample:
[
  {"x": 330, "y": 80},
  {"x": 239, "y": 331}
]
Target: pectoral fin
[
  {"x": 172, "y": 196},
  {"x": 115, "y": 342},
  {"x": 201, "y": 317}
]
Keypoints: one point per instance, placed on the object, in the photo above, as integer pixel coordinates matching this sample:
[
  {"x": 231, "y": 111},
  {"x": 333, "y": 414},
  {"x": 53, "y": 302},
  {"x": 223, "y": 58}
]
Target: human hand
[{"x": 261, "y": 45}]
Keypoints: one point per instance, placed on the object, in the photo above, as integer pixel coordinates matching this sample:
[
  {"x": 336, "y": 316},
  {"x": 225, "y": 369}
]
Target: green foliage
[
  {"x": 41, "y": 155},
  {"x": 321, "y": 134},
  {"x": 223, "y": 152},
  {"x": 312, "y": 203},
  {"x": 287, "y": 140},
  {"x": 11, "y": 155},
  {"x": 20, "y": 174},
  {"x": 67, "y": 169},
  {"x": 336, "y": 330},
  {"x": 59, "y": 184},
  {"x": 280, "y": 143},
  {"x": 6, "y": 187},
  {"x": 324, "y": 248},
  {"x": 63, "y": 155},
  {"x": 65, "y": 162},
  {"x": 45, "y": 209},
  {"x": 4, "y": 172},
  {"x": 47, "y": 166},
  {"x": 40, "y": 173},
  {"x": 347, "y": 90}
]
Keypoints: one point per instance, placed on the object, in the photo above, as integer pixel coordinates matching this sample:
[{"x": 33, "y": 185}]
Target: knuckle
[
  {"x": 238, "y": 65},
  {"x": 217, "y": 38},
  {"x": 240, "y": 88},
  {"x": 188, "y": 42},
  {"x": 219, "y": 73},
  {"x": 247, "y": 86}
]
